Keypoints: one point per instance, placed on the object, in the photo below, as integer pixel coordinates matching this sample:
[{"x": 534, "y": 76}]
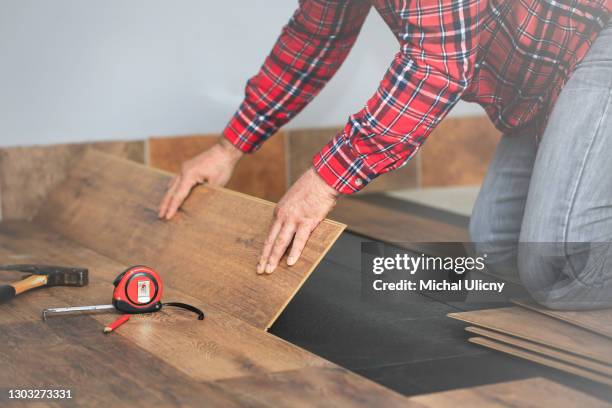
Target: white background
[{"x": 76, "y": 70}]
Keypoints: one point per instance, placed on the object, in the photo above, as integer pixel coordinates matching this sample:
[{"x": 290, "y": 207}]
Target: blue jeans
[{"x": 544, "y": 211}]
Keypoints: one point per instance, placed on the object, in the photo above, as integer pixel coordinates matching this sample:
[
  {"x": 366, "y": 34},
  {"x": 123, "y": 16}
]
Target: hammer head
[{"x": 56, "y": 275}]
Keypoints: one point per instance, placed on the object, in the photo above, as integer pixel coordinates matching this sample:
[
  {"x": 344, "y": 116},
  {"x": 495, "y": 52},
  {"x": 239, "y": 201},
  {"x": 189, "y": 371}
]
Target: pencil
[{"x": 114, "y": 325}]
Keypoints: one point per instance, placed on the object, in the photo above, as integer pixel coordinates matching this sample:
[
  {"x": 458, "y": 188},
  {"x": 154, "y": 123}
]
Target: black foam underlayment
[{"x": 408, "y": 343}]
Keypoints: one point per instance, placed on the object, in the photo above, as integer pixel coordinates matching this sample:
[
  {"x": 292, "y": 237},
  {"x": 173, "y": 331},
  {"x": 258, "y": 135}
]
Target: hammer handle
[{"x": 7, "y": 292}]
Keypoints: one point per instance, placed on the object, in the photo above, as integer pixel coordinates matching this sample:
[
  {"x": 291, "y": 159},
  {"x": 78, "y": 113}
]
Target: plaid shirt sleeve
[
  {"x": 425, "y": 80},
  {"x": 309, "y": 51}
]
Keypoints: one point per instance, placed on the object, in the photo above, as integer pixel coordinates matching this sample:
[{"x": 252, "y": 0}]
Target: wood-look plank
[
  {"x": 302, "y": 144},
  {"x": 43, "y": 168},
  {"x": 464, "y": 145},
  {"x": 99, "y": 370},
  {"x": 394, "y": 226},
  {"x": 315, "y": 387},
  {"x": 219, "y": 347},
  {"x": 541, "y": 359},
  {"x": 538, "y": 328},
  {"x": 261, "y": 175},
  {"x": 209, "y": 250},
  {"x": 529, "y": 393},
  {"x": 547, "y": 351},
  {"x": 598, "y": 321}
]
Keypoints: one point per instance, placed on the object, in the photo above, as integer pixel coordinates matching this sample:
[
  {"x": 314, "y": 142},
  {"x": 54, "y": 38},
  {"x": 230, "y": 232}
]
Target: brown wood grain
[
  {"x": 538, "y": 328},
  {"x": 99, "y": 370},
  {"x": 598, "y": 321},
  {"x": 304, "y": 143},
  {"x": 316, "y": 387},
  {"x": 568, "y": 358},
  {"x": 541, "y": 359},
  {"x": 389, "y": 225},
  {"x": 219, "y": 347},
  {"x": 28, "y": 174},
  {"x": 529, "y": 393},
  {"x": 261, "y": 174},
  {"x": 458, "y": 152},
  {"x": 209, "y": 250},
  {"x": 220, "y": 361}
]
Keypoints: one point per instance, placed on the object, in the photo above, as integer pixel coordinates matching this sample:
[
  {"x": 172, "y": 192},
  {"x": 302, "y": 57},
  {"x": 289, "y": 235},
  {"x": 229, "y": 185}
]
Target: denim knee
[
  {"x": 558, "y": 275},
  {"x": 499, "y": 253}
]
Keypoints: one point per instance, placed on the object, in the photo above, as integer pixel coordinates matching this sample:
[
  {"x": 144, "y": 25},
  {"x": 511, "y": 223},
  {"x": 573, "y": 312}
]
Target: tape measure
[{"x": 138, "y": 289}]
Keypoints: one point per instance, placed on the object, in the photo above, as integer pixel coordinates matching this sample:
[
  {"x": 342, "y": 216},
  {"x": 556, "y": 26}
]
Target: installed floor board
[
  {"x": 334, "y": 387},
  {"x": 394, "y": 226},
  {"x": 388, "y": 201},
  {"x": 219, "y": 347},
  {"x": 532, "y": 326},
  {"x": 528, "y": 393},
  {"x": 99, "y": 370},
  {"x": 541, "y": 359},
  {"x": 546, "y": 351},
  {"x": 210, "y": 250},
  {"x": 598, "y": 321}
]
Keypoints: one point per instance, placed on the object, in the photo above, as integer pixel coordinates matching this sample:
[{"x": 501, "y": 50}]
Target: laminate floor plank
[
  {"x": 100, "y": 371},
  {"x": 210, "y": 250},
  {"x": 527, "y": 393},
  {"x": 535, "y": 327},
  {"x": 316, "y": 387},
  {"x": 546, "y": 351},
  {"x": 598, "y": 321},
  {"x": 394, "y": 226},
  {"x": 219, "y": 347},
  {"x": 541, "y": 359}
]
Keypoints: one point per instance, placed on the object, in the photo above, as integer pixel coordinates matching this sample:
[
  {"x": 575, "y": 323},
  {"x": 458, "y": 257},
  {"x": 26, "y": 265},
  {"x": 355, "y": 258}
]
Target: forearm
[
  {"x": 423, "y": 83},
  {"x": 308, "y": 53}
]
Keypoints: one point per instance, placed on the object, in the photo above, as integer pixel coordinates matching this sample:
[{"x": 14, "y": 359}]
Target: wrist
[
  {"x": 228, "y": 148},
  {"x": 326, "y": 188}
]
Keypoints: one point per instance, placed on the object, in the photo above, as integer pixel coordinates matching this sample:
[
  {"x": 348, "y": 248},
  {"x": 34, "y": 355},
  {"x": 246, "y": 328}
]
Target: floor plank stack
[{"x": 577, "y": 342}]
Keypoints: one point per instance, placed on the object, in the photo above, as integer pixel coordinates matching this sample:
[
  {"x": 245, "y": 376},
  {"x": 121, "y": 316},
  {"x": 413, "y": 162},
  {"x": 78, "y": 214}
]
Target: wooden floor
[
  {"x": 103, "y": 217},
  {"x": 324, "y": 349}
]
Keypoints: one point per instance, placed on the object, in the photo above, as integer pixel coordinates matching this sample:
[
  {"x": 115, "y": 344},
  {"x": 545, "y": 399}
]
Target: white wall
[{"x": 76, "y": 70}]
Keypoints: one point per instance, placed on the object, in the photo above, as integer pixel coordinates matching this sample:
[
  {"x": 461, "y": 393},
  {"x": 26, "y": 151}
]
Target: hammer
[{"x": 42, "y": 276}]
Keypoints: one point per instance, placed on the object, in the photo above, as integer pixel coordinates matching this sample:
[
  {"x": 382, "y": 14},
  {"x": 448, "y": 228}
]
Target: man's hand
[
  {"x": 213, "y": 166},
  {"x": 300, "y": 210}
]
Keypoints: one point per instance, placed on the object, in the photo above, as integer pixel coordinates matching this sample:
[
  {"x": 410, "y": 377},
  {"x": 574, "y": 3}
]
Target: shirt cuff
[
  {"x": 247, "y": 130},
  {"x": 342, "y": 167}
]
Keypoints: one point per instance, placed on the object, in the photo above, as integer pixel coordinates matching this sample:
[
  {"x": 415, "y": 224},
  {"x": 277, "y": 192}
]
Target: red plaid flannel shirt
[{"x": 511, "y": 56}]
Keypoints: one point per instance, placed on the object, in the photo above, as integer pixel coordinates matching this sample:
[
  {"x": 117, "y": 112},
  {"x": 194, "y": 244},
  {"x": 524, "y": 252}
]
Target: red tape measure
[{"x": 138, "y": 289}]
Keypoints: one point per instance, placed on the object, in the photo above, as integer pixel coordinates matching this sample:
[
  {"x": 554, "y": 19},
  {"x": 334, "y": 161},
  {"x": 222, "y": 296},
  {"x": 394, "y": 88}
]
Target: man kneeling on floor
[{"x": 542, "y": 70}]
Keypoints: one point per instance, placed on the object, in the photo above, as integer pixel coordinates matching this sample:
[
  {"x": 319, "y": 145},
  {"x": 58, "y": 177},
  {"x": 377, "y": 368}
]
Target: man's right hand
[{"x": 213, "y": 166}]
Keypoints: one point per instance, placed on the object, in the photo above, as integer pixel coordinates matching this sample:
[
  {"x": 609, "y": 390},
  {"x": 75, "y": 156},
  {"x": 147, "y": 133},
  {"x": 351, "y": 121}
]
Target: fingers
[
  {"x": 181, "y": 191},
  {"x": 267, "y": 249},
  {"x": 163, "y": 207},
  {"x": 280, "y": 246},
  {"x": 299, "y": 242}
]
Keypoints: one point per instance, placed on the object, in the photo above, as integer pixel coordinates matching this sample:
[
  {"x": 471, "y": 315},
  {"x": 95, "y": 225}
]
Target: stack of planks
[
  {"x": 104, "y": 217},
  {"x": 577, "y": 342}
]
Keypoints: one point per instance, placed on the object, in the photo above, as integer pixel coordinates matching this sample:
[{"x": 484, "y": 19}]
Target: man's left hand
[{"x": 297, "y": 214}]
